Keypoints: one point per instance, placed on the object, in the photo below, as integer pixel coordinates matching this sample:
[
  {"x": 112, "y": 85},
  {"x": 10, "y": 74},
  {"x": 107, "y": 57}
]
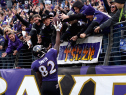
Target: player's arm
[
  {"x": 39, "y": 76},
  {"x": 58, "y": 28}
]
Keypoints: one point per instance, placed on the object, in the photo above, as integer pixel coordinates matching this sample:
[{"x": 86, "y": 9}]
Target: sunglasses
[
  {"x": 6, "y": 31},
  {"x": 112, "y": 6}
]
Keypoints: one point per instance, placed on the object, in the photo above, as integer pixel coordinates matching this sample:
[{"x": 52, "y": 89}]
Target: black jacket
[
  {"x": 34, "y": 32},
  {"x": 24, "y": 22}
]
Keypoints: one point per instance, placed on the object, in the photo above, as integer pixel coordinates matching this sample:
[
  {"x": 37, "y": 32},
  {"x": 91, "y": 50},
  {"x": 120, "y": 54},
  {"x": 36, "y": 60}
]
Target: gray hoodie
[{"x": 115, "y": 18}]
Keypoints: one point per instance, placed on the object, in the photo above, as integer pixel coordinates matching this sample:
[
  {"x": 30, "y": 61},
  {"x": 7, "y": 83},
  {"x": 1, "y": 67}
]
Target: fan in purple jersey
[{"x": 46, "y": 65}]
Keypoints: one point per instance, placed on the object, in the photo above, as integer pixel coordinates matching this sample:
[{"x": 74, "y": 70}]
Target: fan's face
[
  {"x": 113, "y": 8},
  {"x": 12, "y": 37},
  {"x": 76, "y": 10},
  {"x": 36, "y": 20},
  {"x": 47, "y": 21}
]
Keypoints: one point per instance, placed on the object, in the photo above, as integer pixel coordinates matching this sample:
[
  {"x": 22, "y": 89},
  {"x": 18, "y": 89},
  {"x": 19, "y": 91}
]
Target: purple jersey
[
  {"x": 47, "y": 65},
  {"x": 100, "y": 17}
]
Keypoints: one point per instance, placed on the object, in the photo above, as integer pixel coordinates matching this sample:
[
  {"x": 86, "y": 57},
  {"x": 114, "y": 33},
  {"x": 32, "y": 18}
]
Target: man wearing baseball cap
[
  {"x": 48, "y": 32},
  {"x": 119, "y": 15}
]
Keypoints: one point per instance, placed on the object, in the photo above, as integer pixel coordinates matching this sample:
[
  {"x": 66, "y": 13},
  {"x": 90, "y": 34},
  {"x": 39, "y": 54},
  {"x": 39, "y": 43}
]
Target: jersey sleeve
[
  {"x": 33, "y": 66},
  {"x": 98, "y": 18},
  {"x": 53, "y": 52}
]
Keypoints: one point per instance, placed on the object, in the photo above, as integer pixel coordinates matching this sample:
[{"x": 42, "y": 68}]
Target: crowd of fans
[{"x": 26, "y": 23}]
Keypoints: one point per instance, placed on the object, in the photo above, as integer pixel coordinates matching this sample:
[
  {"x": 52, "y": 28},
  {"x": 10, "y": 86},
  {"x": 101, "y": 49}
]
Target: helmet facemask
[{"x": 39, "y": 51}]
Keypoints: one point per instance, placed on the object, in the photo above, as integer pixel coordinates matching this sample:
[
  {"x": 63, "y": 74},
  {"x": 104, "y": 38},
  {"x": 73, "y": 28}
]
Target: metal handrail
[
  {"x": 117, "y": 52},
  {"x": 107, "y": 54}
]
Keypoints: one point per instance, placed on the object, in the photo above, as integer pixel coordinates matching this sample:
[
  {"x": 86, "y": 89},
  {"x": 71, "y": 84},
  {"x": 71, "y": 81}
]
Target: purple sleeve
[
  {"x": 98, "y": 18},
  {"x": 9, "y": 48},
  {"x": 28, "y": 29},
  {"x": 54, "y": 51},
  {"x": 33, "y": 66}
]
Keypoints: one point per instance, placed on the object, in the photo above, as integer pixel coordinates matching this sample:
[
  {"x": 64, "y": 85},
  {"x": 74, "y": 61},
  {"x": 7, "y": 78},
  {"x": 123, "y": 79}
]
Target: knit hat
[
  {"x": 78, "y": 4},
  {"x": 89, "y": 11},
  {"x": 120, "y": 1}
]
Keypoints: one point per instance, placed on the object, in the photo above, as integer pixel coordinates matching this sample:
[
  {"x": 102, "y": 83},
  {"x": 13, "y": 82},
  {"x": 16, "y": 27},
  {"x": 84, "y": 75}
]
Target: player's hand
[
  {"x": 4, "y": 54},
  {"x": 15, "y": 52},
  {"x": 83, "y": 35},
  {"x": 63, "y": 16},
  {"x": 97, "y": 29},
  {"x": 58, "y": 26},
  {"x": 74, "y": 38}
]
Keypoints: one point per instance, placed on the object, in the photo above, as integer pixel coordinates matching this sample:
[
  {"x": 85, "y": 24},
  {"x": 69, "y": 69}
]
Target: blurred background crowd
[{"x": 26, "y": 23}]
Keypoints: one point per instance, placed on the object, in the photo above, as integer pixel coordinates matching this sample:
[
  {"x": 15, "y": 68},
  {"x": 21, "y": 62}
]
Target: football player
[{"x": 46, "y": 65}]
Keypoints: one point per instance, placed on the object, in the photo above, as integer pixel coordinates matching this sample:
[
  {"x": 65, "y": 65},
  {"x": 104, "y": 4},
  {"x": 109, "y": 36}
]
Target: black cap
[
  {"x": 120, "y": 1},
  {"x": 19, "y": 35},
  {"x": 45, "y": 16}
]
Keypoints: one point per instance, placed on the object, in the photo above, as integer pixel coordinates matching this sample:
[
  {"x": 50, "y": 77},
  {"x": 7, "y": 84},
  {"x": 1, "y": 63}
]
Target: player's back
[{"x": 47, "y": 66}]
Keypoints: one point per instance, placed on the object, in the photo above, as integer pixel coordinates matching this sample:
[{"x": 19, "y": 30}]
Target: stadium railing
[
  {"x": 116, "y": 51},
  {"x": 113, "y": 51},
  {"x": 24, "y": 58}
]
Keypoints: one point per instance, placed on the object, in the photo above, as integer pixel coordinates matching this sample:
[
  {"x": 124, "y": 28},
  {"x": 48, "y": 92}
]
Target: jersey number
[{"x": 44, "y": 71}]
